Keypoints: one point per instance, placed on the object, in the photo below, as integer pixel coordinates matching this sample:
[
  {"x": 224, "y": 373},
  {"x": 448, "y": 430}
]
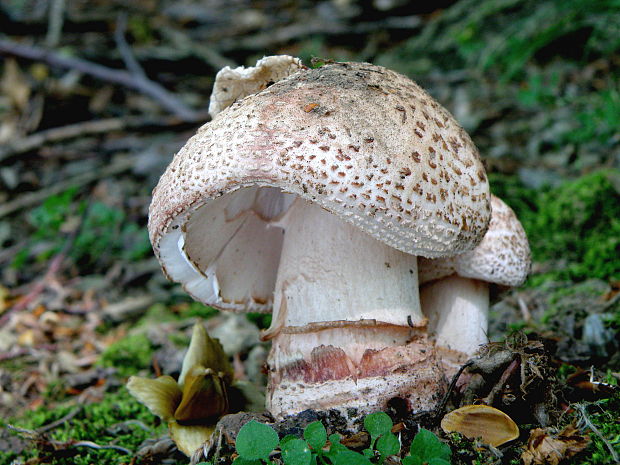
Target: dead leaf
[
  {"x": 481, "y": 421},
  {"x": 544, "y": 448},
  {"x": 15, "y": 85},
  {"x": 586, "y": 386}
]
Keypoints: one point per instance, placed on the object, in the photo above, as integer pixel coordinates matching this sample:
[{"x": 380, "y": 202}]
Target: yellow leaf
[
  {"x": 15, "y": 85},
  {"x": 161, "y": 395},
  {"x": 190, "y": 438},
  {"x": 207, "y": 352},
  {"x": 493, "y": 426}
]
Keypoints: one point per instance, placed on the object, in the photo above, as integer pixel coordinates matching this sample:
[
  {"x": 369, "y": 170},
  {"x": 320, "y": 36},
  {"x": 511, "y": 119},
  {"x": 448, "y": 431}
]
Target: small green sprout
[
  {"x": 256, "y": 443},
  {"x": 426, "y": 448}
]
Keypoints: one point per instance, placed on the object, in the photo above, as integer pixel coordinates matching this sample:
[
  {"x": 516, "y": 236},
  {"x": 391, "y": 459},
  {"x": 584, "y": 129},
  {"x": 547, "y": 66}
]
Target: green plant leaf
[
  {"x": 242, "y": 461},
  {"x": 412, "y": 460},
  {"x": 315, "y": 435},
  {"x": 377, "y": 424},
  {"x": 388, "y": 444},
  {"x": 287, "y": 438},
  {"x": 256, "y": 441},
  {"x": 438, "y": 461},
  {"x": 296, "y": 452},
  {"x": 335, "y": 445},
  {"x": 427, "y": 446},
  {"x": 348, "y": 457}
]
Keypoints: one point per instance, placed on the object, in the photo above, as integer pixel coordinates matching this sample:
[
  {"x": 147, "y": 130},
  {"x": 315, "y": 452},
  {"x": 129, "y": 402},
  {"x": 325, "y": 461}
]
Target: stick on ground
[{"x": 124, "y": 78}]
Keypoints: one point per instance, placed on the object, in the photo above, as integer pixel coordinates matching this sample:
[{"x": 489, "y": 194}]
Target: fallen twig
[
  {"x": 20, "y": 352},
  {"x": 267, "y": 40},
  {"x": 32, "y": 198},
  {"x": 60, "y": 421},
  {"x": 585, "y": 422},
  {"x": 39, "y": 139},
  {"x": 63, "y": 445},
  {"x": 123, "y": 47},
  {"x": 93, "y": 445},
  {"x": 85, "y": 128},
  {"x": 55, "y": 22},
  {"x": 124, "y": 78},
  {"x": 442, "y": 405}
]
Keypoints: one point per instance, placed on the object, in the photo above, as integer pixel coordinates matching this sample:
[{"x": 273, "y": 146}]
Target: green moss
[
  {"x": 196, "y": 310},
  {"x": 118, "y": 419},
  {"x": 467, "y": 451},
  {"x": 105, "y": 232},
  {"x": 129, "y": 355},
  {"x": 159, "y": 313},
  {"x": 262, "y": 320},
  {"x": 503, "y": 36},
  {"x": 605, "y": 416},
  {"x": 580, "y": 221},
  {"x": 576, "y": 224}
]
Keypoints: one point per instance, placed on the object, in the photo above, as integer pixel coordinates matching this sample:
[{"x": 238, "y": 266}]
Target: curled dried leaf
[
  {"x": 188, "y": 438},
  {"x": 493, "y": 426},
  {"x": 204, "y": 396},
  {"x": 161, "y": 395},
  {"x": 546, "y": 448}
]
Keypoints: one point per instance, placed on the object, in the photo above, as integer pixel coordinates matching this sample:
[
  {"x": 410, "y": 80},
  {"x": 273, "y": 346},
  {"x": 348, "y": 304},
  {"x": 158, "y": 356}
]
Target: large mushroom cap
[
  {"x": 363, "y": 142},
  {"x": 503, "y": 256}
]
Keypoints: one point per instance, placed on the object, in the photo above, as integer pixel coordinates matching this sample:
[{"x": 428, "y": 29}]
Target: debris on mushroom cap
[
  {"x": 503, "y": 257},
  {"x": 234, "y": 84},
  {"x": 481, "y": 421},
  {"x": 363, "y": 142}
]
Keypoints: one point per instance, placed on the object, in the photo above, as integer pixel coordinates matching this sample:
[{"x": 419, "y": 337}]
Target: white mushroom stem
[
  {"x": 457, "y": 309},
  {"x": 341, "y": 299}
]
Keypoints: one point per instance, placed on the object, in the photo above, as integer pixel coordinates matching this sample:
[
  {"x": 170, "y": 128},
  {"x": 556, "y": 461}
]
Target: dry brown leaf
[
  {"x": 544, "y": 448},
  {"x": 15, "y": 85},
  {"x": 481, "y": 421}
]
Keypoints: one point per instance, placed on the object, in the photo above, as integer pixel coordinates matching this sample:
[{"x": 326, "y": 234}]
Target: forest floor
[{"x": 96, "y": 97}]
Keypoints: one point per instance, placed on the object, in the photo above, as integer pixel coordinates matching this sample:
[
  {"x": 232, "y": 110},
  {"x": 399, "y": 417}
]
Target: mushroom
[
  {"x": 455, "y": 291},
  {"x": 314, "y": 197}
]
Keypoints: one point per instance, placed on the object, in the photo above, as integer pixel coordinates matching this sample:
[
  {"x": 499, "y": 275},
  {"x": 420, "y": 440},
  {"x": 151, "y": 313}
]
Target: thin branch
[
  {"x": 585, "y": 421},
  {"x": 55, "y": 22},
  {"x": 39, "y": 139},
  {"x": 93, "y": 445},
  {"x": 102, "y": 126},
  {"x": 60, "y": 421},
  {"x": 63, "y": 445},
  {"x": 32, "y": 198},
  {"x": 124, "y": 49},
  {"x": 124, "y": 78},
  {"x": 284, "y": 34},
  {"x": 442, "y": 405}
]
